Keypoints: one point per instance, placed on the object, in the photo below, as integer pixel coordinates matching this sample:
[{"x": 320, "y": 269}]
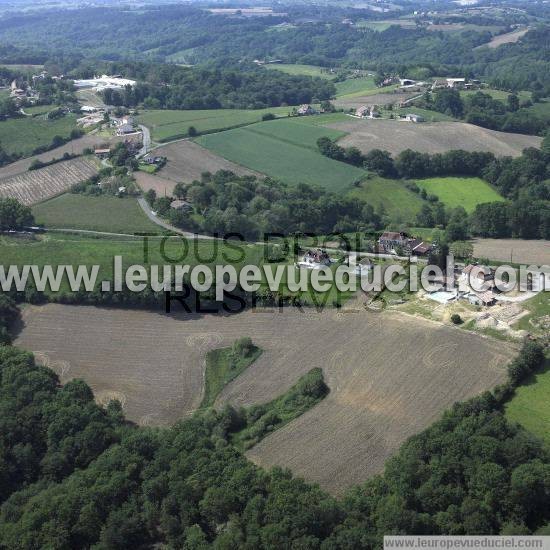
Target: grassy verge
[
  {"x": 261, "y": 420},
  {"x": 224, "y": 365}
]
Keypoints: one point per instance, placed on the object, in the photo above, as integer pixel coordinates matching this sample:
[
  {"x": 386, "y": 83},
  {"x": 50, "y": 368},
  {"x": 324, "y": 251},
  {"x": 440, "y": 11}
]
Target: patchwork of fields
[
  {"x": 154, "y": 364},
  {"x": 286, "y": 150},
  {"x": 396, "y": 136},
  {"x": 37, "y": 185},
  {"x": 465, "y": 192}
]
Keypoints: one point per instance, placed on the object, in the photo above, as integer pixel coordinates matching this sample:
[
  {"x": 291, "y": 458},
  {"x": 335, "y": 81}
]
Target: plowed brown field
[{"x": 390, "y": 376}]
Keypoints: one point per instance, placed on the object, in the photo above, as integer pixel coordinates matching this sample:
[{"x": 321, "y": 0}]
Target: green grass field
[
  {"x": 465, "y": 192},
  {"x": 284, "y": 150},
  {"x": 222, "y": 366},
  {"x": 496, "y": 94},
  {"x": 24, "y": 134},
  {"x": 400, "y": 203},
  {"x": 303, "y": 70},
  {"x": 541, "y": 110},
  {"x": 356, "y": 86},
  {"x": 166, "y": 125},
  {"x": 64, "y": 249},
  {"x": 530, "y": 405},
  {"x": 110, "y": 214}
]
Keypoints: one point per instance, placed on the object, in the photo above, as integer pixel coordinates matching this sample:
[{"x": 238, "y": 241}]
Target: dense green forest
[
  {"x": 249, "y": 87},
  {"x": 76, "y": 475}
]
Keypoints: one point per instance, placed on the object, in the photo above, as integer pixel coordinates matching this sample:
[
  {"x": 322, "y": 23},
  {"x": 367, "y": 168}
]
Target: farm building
[
  {"x": 103, "y": 82},
  {"x": 304, "y": 110},
  {"x": 406, "y": 82},
  {"x": 391, "y": 241},
  {"x": 102, "y": 153},
  {"x": 367, "y": 112},
  {"x": 412, "y": 117},
  {"x": 124, "y": 129},
  {"x": 180, "y": 205},
  {"x": 456, "y": 82},
  {"x": 314, "y": 259}
]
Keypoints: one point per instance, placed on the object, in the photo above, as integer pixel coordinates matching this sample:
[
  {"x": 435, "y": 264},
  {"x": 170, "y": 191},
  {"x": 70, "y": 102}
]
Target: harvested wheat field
[
  {"x": 517, "y": 251},
  {"x": 436, "y": 137},
  {"x": 354, "y": 102},
  {"x": 188, "y": 160},
  {"x": 390, "y": 376},
  {"x": 38, "y": 185}
]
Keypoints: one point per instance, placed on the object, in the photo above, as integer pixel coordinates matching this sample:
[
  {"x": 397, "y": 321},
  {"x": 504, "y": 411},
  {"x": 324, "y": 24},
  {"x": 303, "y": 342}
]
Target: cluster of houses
[
  {"x": 401, "y": 244},
  {"x": 20, "y": 96}
]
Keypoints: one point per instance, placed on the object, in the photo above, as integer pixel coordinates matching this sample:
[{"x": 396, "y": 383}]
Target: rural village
[{"x": 407, "y": 141}]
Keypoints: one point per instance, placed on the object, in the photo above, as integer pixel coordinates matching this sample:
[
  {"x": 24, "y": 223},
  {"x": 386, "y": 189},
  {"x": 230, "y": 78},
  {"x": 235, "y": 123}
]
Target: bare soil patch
[
  {"x": 161, "y": 186},
  {"x": 437, "y": 137},
  {"x": 518, "y": 251},
  {"x": 35, "y": 186},
  {"x": 390, "y": 375},
  {"x": 188, "y": 160}
]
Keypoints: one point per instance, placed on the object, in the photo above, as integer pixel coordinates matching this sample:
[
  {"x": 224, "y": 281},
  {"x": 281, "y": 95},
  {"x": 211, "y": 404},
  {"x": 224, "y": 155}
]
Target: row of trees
[{"x": 75, "y": 475}]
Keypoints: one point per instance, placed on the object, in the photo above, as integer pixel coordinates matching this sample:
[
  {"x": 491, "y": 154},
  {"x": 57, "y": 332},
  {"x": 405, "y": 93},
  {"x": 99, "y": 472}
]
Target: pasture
[
  {"x": 102, "y": 213},
  {"x": 187, "y": 160},
  {"x": 356, "y": 86},
  {"x": 395, "y": 136},
  {"x": 465, "y": 192},
  {"x": 530, "y": 405},
  {"x": 400, "y": 203},
  {"x": 35, "y": 186},
  {"x": 285, "y": 150},
  {"x": 23, "y": 135},
  {"x": 507, "y": 38},
  {"x": 167, "y": 125},
  {"x": 517, "y": 251},
  {"x": 154, "y": 363},
  {"x": 301, "y": 70}
]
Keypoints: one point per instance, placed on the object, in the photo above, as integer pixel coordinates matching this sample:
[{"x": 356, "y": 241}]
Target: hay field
[
  {"x": 38, "y": 185},
  {"x": 188, "y": 160},
  {"x": 437, "y": 137},
  {"x": 373, "y": 97},
  {"x": 518, "y": 251},
  {"x": 379, "y": 395}
]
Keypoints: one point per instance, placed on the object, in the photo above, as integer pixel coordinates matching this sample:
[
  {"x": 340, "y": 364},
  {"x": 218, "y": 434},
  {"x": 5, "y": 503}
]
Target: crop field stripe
[{"x": 285, "y": 161}]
